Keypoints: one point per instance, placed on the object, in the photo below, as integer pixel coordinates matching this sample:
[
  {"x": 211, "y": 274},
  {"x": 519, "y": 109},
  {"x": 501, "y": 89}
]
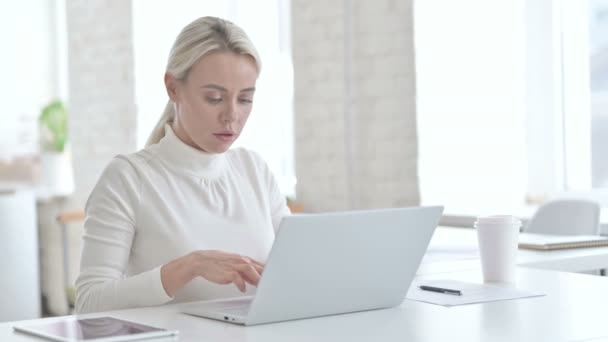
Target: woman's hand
[{"x": 216, "y": 266}]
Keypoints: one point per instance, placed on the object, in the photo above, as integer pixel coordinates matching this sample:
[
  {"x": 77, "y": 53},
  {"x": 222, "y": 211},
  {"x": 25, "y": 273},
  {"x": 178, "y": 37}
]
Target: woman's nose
[{"x": 230, "y": 114}]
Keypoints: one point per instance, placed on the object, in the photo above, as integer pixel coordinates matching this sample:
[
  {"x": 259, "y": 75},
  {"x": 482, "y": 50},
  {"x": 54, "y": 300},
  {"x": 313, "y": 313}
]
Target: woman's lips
[{"x": 226, "y": 137}]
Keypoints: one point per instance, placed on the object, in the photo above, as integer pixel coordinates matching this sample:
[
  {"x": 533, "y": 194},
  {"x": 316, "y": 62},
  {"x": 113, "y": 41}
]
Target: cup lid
[{"x": 498, "y": 220}]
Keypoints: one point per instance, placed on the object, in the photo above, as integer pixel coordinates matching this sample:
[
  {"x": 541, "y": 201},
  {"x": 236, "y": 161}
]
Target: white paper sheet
[
  {"x": 471, "y": 293},
  {"x": 594, "y": 339}
]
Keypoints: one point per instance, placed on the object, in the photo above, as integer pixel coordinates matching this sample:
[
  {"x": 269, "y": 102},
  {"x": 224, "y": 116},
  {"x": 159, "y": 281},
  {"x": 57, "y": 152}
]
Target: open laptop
[{"x": 333, "y": 263}]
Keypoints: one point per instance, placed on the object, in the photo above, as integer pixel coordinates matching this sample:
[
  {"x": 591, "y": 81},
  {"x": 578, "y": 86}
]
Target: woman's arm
[{"x": 108, "y": 235}]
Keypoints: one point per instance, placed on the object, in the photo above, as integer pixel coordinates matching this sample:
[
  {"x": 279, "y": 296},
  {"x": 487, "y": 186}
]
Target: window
[
  {"x": 269, "y": 130},
  {"x": 512, "y": 102},
  {"x": 598, "y": 86},
  {"x": 470, "y": 75},
  {"x": 583, "y": 29}
]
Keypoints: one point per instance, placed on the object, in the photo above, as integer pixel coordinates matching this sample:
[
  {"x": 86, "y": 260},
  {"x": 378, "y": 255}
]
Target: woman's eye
[
  {"x": 214, "y": 100},
  {"x": 245, "y": 100}
]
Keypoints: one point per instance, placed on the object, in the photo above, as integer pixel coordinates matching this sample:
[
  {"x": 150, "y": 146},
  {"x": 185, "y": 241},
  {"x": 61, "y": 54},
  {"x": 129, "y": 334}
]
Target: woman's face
[{"x": 213, "y": 103}]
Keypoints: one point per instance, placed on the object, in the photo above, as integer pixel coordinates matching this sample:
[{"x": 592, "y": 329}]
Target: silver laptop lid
[{"x": 331, "y": 263}]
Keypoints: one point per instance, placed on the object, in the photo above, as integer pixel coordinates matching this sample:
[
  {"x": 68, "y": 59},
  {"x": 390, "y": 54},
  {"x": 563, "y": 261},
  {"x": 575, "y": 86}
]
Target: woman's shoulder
[{"x": 128, "y": 165}]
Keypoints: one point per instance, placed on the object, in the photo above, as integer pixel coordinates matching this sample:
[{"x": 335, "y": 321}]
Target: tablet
[{"x": 106, "y": 329}]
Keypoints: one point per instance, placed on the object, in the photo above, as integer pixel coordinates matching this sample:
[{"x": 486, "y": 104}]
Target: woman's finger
[
  {"x": 243, "y": 260},
  {"x": 258, "y": 268},
  {"x": 238, "y": 281},
  {"x": 257, "y": 263},
  {"x": 240, "y": 259},
  {"x": 249, "y": 274}
]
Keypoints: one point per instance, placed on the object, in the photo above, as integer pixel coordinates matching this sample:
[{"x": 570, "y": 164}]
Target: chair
[
  {"x": 566, "y": 217},
  {"x": 64, "y": 219}
]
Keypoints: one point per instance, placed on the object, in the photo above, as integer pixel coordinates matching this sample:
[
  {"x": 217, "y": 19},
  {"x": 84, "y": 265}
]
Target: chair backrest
[{"x": 566, "y": 217}]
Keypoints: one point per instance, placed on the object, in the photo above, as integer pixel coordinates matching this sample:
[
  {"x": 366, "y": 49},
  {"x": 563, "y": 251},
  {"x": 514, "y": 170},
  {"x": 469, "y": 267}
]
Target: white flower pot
[{"x": 56, "y": 174}]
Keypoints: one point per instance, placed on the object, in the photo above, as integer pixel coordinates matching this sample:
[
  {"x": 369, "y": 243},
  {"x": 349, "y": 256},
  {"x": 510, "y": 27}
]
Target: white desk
[
  {"x": 574, "y": 310},
  {"x": 456, "y": 249}
]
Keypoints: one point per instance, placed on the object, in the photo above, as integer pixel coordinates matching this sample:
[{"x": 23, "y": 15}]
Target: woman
[{"x": 185, "y": 217}]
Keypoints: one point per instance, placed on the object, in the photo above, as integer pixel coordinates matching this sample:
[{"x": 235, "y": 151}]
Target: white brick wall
[
  {"x": 101, "y": 87},
  {"x": 355, "y": 107}
]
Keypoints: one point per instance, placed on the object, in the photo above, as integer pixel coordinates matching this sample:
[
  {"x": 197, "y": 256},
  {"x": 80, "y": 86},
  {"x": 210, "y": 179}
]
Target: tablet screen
[{"x": 90, "y": 329}]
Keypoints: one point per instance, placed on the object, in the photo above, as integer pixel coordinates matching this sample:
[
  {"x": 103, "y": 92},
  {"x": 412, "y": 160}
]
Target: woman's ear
[{"x": 171, "y": 86}]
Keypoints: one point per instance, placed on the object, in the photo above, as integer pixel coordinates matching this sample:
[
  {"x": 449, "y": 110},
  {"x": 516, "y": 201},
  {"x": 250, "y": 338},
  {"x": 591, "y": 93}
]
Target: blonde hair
[{"x": 201, "y": 37}]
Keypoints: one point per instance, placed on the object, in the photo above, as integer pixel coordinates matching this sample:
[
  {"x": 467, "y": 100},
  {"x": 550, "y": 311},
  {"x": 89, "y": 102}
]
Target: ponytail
[{"x": 159, "y": 130}]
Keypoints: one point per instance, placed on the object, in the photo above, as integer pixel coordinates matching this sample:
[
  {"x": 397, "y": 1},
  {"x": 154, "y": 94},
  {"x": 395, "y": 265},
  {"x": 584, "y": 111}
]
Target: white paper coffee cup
[{"x": 497, "y": 236}]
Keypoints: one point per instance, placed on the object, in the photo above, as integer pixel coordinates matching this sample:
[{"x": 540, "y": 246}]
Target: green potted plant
[
  {"x": 55, "y": 158},
  {"x": 54, "y": 127}
]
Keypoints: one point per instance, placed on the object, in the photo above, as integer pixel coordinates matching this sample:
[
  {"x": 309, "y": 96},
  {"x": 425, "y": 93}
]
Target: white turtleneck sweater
[{"x": 163, "y": 202}]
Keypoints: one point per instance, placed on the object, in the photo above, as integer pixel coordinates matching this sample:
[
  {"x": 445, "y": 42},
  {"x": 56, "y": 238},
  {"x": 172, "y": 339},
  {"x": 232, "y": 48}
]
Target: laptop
[{"x": 333, "y": 263}]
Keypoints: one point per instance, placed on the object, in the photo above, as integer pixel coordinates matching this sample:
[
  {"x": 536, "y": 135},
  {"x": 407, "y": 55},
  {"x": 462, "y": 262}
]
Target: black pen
[{"x": 441, "y": 290}]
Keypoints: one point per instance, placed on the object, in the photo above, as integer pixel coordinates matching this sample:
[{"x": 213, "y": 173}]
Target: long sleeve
[
  {"x": 276, "y": 199},
  {"x": 109, "y": 229},
  {"x": 278, "y": 203}
]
